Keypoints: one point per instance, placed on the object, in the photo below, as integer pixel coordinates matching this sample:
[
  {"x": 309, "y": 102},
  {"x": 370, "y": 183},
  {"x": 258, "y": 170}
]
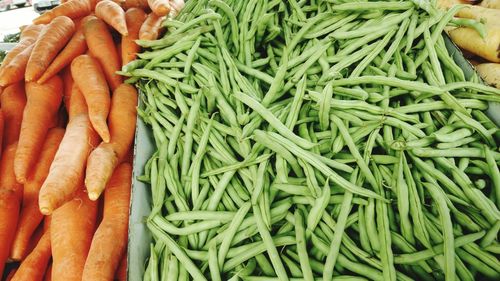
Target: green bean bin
[{"x": 139, "y": 236}]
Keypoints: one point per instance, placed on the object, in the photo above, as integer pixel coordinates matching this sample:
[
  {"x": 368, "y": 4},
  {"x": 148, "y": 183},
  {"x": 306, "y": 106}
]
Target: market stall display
[
  {"x": 316, "y": 140},
  {"x": 275, "y": 140},
  {"x": 64, "y": 144}
]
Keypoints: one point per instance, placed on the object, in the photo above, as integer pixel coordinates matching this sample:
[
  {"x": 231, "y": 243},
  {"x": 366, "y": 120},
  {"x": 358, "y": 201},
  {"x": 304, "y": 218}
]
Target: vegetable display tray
[{"x": 139, "y": 237}]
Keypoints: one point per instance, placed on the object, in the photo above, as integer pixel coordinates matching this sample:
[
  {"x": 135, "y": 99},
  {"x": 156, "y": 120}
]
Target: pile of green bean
[{"x": 317, "y": 140}]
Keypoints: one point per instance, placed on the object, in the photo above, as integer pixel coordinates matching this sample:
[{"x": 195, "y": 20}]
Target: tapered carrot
[
  {"x": 102, "y": 47},
  {"x": 121, "y": 272},
  {"x": 110, "y": 239},
  {"x": 151, "y": 27},
  {"x": 160, "y": 7},
  {"x": 103, "y": 160},
  {"x": 135, "y": 18},
  {"x": 73, "y": 9},
  {"x": 16, "y": 69},
  {"x": 72, "y": 228},
  {"x": 13, "y": 100},
  {"x": 51, "y": 40},
  {"x": 27, "y": 38},
  {"x": 89, "y": 78},
  {"x": 75, "y": 47},
  {"x": 43, "y": 104},
  {"x": 177, "y": 6},
  {"x": 1, "y": 130},
  {"x": 34, "y": 239},
  {"x": 112, "y": 14},
  {"x": 10, "y": 201},
  {"x": 68, "y": 166},
  {"x": 33, "y": 267},
  {"x": 9, "y": 212},
  {"x": 30, "y": 216}
]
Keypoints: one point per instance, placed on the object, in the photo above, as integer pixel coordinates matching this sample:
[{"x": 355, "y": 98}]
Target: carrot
[
  {"x": 102, "y": 47},
  {"x": 160, "y": 7},
  {"x": 89, "y": 78},
  {"x": 151, "y": 27},
  {"x": 112, "y": 14},
  {"x": 121, "y": 272},
  {"x": 141, "y": 4},
  {"x": 68, "y": 86},
  {"x": 1, "y": 129},
  {"x": 33, "y": 267},
  {"x": 27, "y": 38},
  {"x": 48, "y": 273},
  {"x": 177, "y": 6},
  {"x": 68, "y": 165},
  {"x": 30, "y": 216},
  {"x": 15, "y": 70},
  {"x": 51, "y": 40},
  {"x": 10, "y": 201},
  {"x": 72, "y": 9},
  {"x": 43, "y": 104},
  {"x": 13, "y": 100},
  {"x": 135, "y": 18},
  {"x": 110, "y": 239},
  {"x": 71, "y": 231},
  {"x": 75, "y": 47},
  {"x": 103, "y": 160},
  {"x": 33, "y": 240}
]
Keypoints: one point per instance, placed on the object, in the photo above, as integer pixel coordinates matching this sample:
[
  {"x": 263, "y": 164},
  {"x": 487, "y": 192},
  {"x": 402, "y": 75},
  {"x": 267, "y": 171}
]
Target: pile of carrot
[{"x": 67, "y": 123}]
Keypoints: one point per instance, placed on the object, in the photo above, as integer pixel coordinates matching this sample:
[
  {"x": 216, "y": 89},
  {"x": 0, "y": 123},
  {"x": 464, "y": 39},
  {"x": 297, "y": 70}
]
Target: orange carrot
[
  {"x": 141, "y": 4},
  {"x": 112, "y": 14},
  {"x": 43, "y": 104},
  {"x": 1, "y": 130},
  {"x": 33, "y": 241},
  {"x": 51, "y": 40},
  {"x": 68, "y": 86},
  {"x": 10, "y": 201},
  {"x": 135, "y": 18},
  {"x": 30, "y": 216},
  {"x": 28, "y": 37},
  {"x": 89, "y": 78},
  {"x": 72, "y": 9},
  {"x": 160, "y": 7},
  {"x": 121, "y": 272},
  {"x": 71, "y": 231},
  {"x": 33, "y": 267},
  {"x": 15, "y": 70},
  {"x": 9, "y": 211},
  {"x": 68, "y": 166},
  {"x": 13, "y": 100},
  {"x": 48, "y": 273},
  {"x": 102, "y": 47},
  {"x": 151, "y": 27},
  {"x": 110, "y": 239},
  {"x": 75, "y": 47},
  {"x": 103, "y": 160},
  {"x": 177, "y": 6}
]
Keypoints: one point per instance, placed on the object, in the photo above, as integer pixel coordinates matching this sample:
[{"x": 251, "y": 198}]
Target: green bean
[
  {"x": 373, "y": 5},
  {"x": 301, "y": 247},
  {"x": 494, "y": 173},
  {"x": 177, "y": 251}
]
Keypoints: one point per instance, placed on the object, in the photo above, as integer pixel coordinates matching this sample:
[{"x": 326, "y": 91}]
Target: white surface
[{"x": 10, "y": 21}]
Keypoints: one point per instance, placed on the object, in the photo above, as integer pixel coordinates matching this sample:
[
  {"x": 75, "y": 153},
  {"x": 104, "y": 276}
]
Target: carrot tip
[
  {"x": 46, "y": 211},
  {"x": 93, "y": 196}
]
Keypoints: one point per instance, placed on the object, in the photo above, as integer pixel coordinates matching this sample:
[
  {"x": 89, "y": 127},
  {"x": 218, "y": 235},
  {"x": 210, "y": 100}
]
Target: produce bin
[{"x": 139, "y": 236}]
